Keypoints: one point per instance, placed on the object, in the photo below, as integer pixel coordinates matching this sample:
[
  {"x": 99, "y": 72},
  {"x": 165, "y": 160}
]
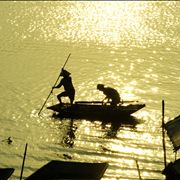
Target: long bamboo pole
[{"x": 53, "y": 86}]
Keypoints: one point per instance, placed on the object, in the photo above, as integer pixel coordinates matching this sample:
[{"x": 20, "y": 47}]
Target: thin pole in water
[
  {"x": 23, "y": 161},
  {"x": 139, "y": 173},
  {"x": 53, "y": 86},
  {"x": 163, "y": 133}
]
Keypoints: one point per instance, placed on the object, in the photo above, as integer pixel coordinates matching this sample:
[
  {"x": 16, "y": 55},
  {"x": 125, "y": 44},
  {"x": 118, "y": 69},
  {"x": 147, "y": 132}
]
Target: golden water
[{"x": 131, "y": 46}]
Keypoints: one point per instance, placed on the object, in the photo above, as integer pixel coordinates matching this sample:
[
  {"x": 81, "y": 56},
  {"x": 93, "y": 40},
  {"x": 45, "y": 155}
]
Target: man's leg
[
  {"x": 71, "y": 97},
  {"x": 59, "y": 98},
  {"x": 63, "y": 94}
]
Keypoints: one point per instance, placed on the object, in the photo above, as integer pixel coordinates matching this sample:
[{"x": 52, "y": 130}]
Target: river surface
[{"x": 130, "y": 46}]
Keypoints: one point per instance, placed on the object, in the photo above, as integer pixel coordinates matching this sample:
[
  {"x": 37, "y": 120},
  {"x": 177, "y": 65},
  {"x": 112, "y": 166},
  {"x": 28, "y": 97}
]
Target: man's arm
[
  {"x": 58, "y": 86},
  {"x": 104, "y": 100}
]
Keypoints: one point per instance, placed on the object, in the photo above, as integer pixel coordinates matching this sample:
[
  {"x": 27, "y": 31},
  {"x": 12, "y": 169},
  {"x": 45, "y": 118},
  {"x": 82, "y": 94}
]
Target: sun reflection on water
[
  {"x": 100, "y": 23},
  {"x": 111, "y": 23}
]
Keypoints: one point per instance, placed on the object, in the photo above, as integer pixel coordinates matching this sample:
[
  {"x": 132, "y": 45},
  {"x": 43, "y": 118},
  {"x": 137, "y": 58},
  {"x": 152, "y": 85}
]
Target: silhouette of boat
[
  {"x": 94, "y": 109},
  {"x": 5, "y": 173},
  {"x": 172, "y": 169},
  {"x": 69, "y": 170}
]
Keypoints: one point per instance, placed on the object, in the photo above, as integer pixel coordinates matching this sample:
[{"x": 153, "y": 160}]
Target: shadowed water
[{"x": 131, "y": 46}]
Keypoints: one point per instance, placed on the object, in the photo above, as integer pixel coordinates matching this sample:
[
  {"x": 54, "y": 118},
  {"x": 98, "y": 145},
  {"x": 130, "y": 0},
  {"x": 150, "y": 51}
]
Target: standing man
[
  {"x": 66, "y": 82},
  {"x": 111, "y": 94}
]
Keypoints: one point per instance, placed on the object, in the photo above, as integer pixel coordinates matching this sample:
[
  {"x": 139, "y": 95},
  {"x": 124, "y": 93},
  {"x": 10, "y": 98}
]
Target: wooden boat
[
  {"x": 172, "y": 169},
  {"x": 5, "y": 173},
  {"x": 95, "y": 109},
  {"x": 69, "y": 170}
]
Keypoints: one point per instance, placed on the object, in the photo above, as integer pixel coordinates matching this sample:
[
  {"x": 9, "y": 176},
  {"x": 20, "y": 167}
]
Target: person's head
[
  {"x": 100, "y": 87},
  {"x": 64, "y": 73}
]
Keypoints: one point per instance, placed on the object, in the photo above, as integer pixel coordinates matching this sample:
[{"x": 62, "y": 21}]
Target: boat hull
[
  {"x": 5, "y": 173},
  {"x": 69, "y": 170},
  {"x": 91, "y": 110}
]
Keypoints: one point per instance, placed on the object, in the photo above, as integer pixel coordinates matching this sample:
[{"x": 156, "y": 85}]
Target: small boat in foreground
[
  {"x": 5, "y": 173},
  {"x": 95, "y": 109},
  {"x": 172, "y": 169},
  {"x": 69, "y": 170}
]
